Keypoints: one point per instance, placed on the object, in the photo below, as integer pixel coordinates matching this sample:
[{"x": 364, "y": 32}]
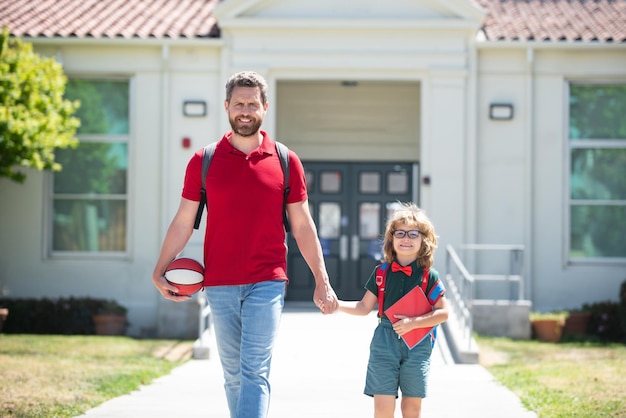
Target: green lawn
[
  {"x": 560, "y": 380},
  {"x": 64, "y": 376}
]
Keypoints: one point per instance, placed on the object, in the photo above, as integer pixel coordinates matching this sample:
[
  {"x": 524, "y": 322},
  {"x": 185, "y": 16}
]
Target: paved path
[{"x": 318, "y": 371}]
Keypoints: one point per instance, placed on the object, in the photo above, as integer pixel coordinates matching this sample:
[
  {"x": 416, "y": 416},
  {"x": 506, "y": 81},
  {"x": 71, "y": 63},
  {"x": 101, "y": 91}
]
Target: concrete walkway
[{"x": 318, "y": 371}]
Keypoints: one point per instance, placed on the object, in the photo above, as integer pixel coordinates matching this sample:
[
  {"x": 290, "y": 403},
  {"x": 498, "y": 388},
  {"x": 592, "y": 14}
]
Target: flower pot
[
  {"x": 4, "y": 312},
  {"x": 576, "y": 323},
  {"x": 110, "y": 324},
  {"x": 548, "y": 330}
]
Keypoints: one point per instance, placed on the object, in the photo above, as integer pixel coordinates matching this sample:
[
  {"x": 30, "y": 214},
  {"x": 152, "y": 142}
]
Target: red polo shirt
[{"x": 244, "y": 240}]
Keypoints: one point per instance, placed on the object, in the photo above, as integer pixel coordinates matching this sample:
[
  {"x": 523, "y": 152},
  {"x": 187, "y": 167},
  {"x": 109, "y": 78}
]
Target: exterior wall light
[
  {"x": 194, "y": 108},
  {"x": 501, "y": 111}
]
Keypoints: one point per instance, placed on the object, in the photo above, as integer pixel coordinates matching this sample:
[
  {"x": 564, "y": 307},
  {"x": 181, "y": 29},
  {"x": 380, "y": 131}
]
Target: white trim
[
  {"x": 132, "y": 154},
  {"x": 529, "y": 126},
  {"x": 129, "y": 42},
  {"x": 232, "y": 8},
  {"x": 549, "y": 45},
  {"x": 463, "y": 9},
  {"x": 48, "y": 252},
  {"x": 165, "y": 133},
  {"x": 347, "y": 24},
  {"x": 471, "y": 150},
  {"x": 415, "y": 178},
  {"x": 565, "y": 193},
  {"x": 568, "y": 146}
]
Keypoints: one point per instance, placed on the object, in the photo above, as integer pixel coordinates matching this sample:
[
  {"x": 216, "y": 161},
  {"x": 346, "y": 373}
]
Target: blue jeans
[{"x": 246, "y": 320}]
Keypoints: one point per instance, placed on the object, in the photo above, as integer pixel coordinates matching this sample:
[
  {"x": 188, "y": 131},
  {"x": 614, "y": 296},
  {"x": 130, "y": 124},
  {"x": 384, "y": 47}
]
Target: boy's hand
[{"x": 402, "y": 326}]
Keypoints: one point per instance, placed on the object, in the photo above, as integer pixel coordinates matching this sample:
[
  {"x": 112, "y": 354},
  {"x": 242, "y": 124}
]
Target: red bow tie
[{"x": 408, "y": 270}]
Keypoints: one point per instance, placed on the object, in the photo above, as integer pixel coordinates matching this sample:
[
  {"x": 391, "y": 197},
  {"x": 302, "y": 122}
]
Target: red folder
[{"x": 412, "y": 304}]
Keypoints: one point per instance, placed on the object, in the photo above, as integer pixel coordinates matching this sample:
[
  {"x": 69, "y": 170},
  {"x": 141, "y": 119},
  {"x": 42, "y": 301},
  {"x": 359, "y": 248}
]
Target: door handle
[
  {"x": 343, "y": 248},
  {"x": 355, "y": 247}
]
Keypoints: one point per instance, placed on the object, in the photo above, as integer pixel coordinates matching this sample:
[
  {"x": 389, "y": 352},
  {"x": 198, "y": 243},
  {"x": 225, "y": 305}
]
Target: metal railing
[
  {"x": 201, "y": 345},
  {"x": 462, "y": 287},
  {"x": 512, "y": 276},
  {"x": 460, "y": 294}
]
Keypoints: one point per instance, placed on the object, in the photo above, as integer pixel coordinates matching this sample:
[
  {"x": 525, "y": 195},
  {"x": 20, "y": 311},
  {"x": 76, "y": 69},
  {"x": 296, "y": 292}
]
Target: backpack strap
[
  {"x": 207, "y": 156},
  {"x": 283, "y": 155},
  {"x": 425, "y": 278},
  {"x": 381, "y": 277}
]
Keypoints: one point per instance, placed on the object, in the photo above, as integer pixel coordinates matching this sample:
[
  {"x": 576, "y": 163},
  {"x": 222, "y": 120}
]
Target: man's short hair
[{"x": 246, "y": 79}]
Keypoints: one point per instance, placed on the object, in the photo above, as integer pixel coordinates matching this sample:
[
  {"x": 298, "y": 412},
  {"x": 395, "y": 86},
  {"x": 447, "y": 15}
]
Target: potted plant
[
  {"x": 110, "y": 318},
  {"x": 4, "y": 312},
  {"x": 548, "y": 326},
  {"x": 577, "y": 321}
]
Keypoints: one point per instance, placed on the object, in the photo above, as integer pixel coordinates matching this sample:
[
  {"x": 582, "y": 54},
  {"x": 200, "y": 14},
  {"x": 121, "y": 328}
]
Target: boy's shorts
[{"x": 392, "y": 364}]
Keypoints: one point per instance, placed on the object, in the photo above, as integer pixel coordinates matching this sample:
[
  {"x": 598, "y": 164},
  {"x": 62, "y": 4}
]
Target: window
[
  {"x": 597, "y": 171},
  {"x": 90, "y": 195}
]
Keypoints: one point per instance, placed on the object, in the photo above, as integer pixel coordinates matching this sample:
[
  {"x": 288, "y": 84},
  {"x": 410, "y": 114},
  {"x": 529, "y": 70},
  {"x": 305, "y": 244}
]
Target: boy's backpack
[
  {"x": 207, "y": 156},
  {"x": 381, "y": 278}
]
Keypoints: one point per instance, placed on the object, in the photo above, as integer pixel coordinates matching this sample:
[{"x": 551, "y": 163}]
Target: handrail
[
  {"x": 515, "y": 268},
  {"x": 201, "y": 345},
  {"x": 460, "y": 293}
]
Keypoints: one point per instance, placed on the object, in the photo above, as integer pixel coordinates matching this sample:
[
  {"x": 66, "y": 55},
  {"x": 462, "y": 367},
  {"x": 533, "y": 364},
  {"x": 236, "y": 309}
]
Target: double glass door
[{"x": 350, "y": 204}]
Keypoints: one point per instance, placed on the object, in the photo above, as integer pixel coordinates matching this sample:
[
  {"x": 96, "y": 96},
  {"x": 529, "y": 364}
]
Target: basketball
[{"x": 186, "y": 274}]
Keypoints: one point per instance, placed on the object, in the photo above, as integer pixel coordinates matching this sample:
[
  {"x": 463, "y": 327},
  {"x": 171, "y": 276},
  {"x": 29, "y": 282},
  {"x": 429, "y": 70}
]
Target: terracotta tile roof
[
  {"x": 555, "y": 20},
  {"x": 110, "y": 18},
  {"x": 506, "y": 20}
]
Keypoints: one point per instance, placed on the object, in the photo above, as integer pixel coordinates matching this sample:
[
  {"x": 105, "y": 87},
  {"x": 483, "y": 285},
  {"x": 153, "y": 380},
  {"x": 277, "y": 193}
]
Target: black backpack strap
[
  {"x": 207, "y": 156},
  {"x": 283, "y": 155}
]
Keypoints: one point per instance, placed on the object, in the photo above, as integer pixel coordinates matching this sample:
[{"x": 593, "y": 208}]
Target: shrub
[
  {"x": 69, "y": 316},
  {"x": 605, "y": 322},
  {"x": 622, "y": 306}
]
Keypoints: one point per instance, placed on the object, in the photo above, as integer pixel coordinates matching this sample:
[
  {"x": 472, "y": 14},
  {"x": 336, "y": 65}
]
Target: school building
[{"x": 503, "y": 119}]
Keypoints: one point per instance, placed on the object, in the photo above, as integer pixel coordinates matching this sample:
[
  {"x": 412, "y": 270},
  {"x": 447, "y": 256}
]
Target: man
[{"x": 244, "y": 245}]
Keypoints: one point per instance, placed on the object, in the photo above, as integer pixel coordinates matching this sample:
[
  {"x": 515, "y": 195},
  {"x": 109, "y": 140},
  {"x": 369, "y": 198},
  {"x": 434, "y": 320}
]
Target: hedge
[{"x": 68, "y": 316}]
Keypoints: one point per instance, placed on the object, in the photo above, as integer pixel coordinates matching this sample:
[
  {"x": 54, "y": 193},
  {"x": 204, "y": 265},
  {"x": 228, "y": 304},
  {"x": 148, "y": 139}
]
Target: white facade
[{"x": 495, "y": 182}]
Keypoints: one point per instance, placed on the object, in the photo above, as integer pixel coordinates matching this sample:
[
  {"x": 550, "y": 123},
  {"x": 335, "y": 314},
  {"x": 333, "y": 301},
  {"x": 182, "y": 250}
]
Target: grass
[
  {"x": 64, "y": 376},
  {"x": 574, "y": 379}
]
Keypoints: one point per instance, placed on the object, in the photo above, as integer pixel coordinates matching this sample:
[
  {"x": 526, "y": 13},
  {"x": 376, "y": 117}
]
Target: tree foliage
[{"x": 35, "y": 118}]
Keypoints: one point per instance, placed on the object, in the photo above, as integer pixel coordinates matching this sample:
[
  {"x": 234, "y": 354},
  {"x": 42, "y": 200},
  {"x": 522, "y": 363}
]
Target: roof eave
[
  {"x": 508, "y": 44},
  {"x": 120, "y": 41},
  {"x": 347, "y": 24}
]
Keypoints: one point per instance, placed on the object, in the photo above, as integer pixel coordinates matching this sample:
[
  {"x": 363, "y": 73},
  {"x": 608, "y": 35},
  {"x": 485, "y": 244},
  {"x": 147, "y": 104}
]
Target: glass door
[{"x": 350, "y": 203}]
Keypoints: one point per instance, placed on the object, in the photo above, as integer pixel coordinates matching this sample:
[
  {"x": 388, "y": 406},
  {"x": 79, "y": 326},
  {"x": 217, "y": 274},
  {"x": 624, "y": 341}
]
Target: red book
[{"x": 413, "y": 304}]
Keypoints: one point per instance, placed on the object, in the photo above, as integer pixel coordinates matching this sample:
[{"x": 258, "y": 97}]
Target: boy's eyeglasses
[{"x": 413, "y": 234}]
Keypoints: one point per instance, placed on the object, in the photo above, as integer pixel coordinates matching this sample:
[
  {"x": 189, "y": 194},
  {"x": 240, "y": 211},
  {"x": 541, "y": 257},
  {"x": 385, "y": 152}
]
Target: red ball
[{"x": 186, "y": 274}]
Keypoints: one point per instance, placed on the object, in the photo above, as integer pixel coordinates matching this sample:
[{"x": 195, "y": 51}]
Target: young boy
[{"x": 409, "y": 244}]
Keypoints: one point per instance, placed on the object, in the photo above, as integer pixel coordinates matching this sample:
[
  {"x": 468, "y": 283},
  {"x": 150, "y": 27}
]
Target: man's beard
[{"x": 248, "y": 129}]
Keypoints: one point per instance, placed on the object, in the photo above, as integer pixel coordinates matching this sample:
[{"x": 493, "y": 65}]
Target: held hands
[
  {"x": 325, "y": 299},
  {"x": 167, "y": 290}
]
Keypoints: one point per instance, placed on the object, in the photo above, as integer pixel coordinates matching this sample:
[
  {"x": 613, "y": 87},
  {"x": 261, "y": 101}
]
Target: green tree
[{"x": 35, "y": 118}]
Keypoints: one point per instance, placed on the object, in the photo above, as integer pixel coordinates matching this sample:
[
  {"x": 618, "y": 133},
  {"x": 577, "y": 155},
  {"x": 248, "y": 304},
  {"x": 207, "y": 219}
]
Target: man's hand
[
  {"x": 167, "y": 290},
  {"x": 325, "y": 298}
]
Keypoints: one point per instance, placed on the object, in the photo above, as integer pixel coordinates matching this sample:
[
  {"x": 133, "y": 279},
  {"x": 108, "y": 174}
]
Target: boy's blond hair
[{"x": 414, "y": 218}]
